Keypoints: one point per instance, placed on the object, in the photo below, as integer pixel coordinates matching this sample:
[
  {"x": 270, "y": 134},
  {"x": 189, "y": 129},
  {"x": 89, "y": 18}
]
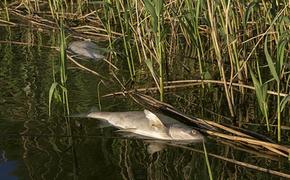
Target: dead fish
[
  {"x": 148, "y": 124},
  {"x": 86, "y": 49}
]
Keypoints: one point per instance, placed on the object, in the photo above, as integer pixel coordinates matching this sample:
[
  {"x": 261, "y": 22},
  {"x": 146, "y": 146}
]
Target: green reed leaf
[
  {"x": 281, "y": 51},
  {"x": 261, "y": 93},
  {"x": 248, "y": 12},
  {"x": 159, "y": 6},
  {"x": 151, "y": 69},
  {"x": 51, "y": 93},
  {"x": 284, "y": 102},
  {"x": 149, "y": 6},
  {"x": 258, "y": 89},
  {"x": 270, "y": 62}
]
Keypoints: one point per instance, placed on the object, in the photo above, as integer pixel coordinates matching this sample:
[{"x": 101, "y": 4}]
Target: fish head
[{"x": 182, "y": 132}]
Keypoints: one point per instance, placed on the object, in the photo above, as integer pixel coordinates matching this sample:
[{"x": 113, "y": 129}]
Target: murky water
[{"x": 36, "y": 146}]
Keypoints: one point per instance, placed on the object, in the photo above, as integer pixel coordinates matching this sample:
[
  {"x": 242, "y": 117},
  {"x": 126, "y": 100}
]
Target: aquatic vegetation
[
  {"x": 225, "y": 39},
  {"x": 58, "y": 89}
]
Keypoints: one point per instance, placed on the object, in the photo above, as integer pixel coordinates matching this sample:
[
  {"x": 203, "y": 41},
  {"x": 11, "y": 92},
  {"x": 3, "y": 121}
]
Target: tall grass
[
  {"x": 216, "y": 45},
  {"x": 261, "y": 93},
  {"x": 226, "y": 38},
  {"x": 155, "y": 8},
  {"x": 226, "y": 33},
  {"x": 58, "y": 89},
  {"x": 127, "y": 34},
  {"x": 192, "y": 20},
  {"x": 281, "y": 40}
]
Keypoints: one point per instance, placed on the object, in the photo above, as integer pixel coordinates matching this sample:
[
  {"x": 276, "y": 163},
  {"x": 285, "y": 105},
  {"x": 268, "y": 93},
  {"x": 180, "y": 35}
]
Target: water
[{"x": 36, "y": 146}]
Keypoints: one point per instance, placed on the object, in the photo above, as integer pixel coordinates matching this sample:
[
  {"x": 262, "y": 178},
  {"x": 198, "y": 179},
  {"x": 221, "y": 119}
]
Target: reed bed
[{"x": 246, "y": 41}]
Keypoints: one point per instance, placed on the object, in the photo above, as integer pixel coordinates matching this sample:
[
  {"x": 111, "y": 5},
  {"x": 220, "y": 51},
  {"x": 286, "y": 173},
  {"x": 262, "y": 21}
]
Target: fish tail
[{"x": 81, "y": 115}]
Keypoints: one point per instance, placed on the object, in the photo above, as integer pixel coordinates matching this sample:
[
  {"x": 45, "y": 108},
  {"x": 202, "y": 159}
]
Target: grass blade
[
  {"x": 270, "y": 62},
  {"x": 207, "y": 162},
  {"x": 51, "y": 93}
]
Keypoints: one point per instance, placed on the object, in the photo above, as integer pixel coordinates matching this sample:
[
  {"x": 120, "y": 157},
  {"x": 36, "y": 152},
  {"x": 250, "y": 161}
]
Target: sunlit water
[{"x": 36, "y": 146}]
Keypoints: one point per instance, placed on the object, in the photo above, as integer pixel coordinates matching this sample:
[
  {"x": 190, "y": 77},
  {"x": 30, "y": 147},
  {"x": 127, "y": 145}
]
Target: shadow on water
[{"x": 35, "y": 146}]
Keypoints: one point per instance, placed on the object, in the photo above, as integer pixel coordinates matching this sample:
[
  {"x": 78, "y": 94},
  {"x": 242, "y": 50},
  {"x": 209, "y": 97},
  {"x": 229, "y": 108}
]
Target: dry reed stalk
[{"x": 189, "y": 83}]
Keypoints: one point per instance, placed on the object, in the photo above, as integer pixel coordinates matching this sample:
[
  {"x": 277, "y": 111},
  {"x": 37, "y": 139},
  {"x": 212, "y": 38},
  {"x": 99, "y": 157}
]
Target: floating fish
[
  {"x": 147, "y": 124},
  {"x": 86, "y": 49}
]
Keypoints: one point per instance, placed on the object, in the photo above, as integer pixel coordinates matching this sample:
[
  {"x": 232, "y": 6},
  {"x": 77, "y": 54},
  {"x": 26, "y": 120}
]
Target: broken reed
[{"x": 234, "y": 35}]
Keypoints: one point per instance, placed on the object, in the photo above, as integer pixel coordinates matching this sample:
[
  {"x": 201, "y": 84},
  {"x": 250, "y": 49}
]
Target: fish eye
[{"x": 193, "y": 131}]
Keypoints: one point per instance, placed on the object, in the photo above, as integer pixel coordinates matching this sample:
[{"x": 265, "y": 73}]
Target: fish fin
[
  {"x": 103, "y": 124},
  {"x": 154, "y": 121},
  {"x": 155, "y": 147}
]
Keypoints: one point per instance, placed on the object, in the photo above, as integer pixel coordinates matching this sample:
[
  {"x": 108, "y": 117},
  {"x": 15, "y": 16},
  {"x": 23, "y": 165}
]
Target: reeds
[
  {"x": 58, "y": 88},
  {"x": 125, "y": 22},
  {"x": 229, "y": 40},
  {"x": 155, "y": 8}
]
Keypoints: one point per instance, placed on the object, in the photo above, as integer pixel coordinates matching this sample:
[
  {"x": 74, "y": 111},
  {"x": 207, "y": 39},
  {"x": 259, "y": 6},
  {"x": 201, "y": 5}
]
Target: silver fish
[
  {"x": 148, "y": 124},
  {"x": 86, "y": 49}
]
